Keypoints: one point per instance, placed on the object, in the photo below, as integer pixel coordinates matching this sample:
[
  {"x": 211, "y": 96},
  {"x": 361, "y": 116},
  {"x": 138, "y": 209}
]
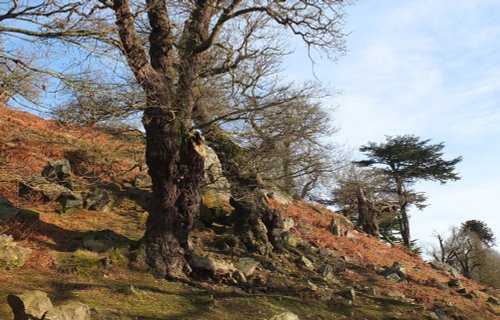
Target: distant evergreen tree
[
  {"x": 481, "y": 230},
  {"x": 469, "y": 250},
  {"x": 407, "y": 159}
]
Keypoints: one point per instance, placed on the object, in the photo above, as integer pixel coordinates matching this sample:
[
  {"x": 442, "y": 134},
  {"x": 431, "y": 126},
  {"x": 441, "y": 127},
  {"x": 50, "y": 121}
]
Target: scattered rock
[
  {"x": 69, "y": 202},
  {"x": 59, "y": 172},
  {"x": 214, "y": 208},
  {"x": 393, "y": 277},
  {"x": 29, "y": 305},
  {"x": 454, "y": 283},
  {"x": 42, "y": 188},
  {"x": 289, "y": 239},
  {"x": 372, "y": 291},
  {"x": 12, "y": 255},
  {"x": 36, "y": 305},
  {"x": 440, "y": 314},
  {"x": 325, "y": 297},
  {"x": 433, "y": 316},
  {"x": 228, "y": 241},
  {"x": 238, "y": 276},
  {"x": 70, "y": 311},
  {"x": 99, "y": 200},
  {"x": 211, "y": 265},
  {"x": 311, "y": 286},
  {"x": 142, "y": 181},
  {"x": 462, "y": 291},
  {"x": 395, "y": 273},
  {"x": 326, "y": 252},
  {"x": 247, "y": 266},
  {"x": 286, "y": 316},
  {"x": 288, "y": 223},
  {"x": 349, "y": 294},
  {"x": 396, "y": 295},
  {"x": 326, "y": 271},
  {"x": 438, "y": 265},
  {"x": 493, "y": 301},
  {"x": 303, "y": 262},
  {"x": 280, "y": 197}
]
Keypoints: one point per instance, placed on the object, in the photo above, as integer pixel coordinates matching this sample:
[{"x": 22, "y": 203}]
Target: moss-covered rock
[
  {"x": 29, "y": 305},
  {"x": 12, "y": 255},
  {"x": 215, "y": 208},
  {"x": 72, "y": 310}
]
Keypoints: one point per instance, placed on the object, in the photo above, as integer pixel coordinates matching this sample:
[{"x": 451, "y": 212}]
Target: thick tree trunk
[
  {"x": 175, "y": 160},
  {"x": 404, "y": 221},
  {"x": 367, "y": 216},
  {"x": 405, "y": 227}
]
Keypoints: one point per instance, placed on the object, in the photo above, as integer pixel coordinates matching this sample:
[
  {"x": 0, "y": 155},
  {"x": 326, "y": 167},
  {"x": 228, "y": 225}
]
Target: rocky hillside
[{"x": 73, "y": 203}]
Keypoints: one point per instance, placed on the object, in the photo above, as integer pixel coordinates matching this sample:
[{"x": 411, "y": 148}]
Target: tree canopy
[{"x": 409, "y": 159}]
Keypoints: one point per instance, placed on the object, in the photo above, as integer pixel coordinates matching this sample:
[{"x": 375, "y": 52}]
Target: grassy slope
[{"x": 27, "y": 143}]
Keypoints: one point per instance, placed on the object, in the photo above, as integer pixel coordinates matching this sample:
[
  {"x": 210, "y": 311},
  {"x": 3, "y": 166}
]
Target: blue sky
[{"x": 430, "y": 68}]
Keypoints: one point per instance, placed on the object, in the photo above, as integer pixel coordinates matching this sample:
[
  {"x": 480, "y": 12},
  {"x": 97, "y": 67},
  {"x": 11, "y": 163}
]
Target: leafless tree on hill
[{"x": 170, "y": 47}]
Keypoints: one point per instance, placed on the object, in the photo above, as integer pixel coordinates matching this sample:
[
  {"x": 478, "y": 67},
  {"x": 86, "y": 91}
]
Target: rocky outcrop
[
  {"x": 59, "y": 172},
  {"x": 12, "y": 255},
  {"x": 54, "y": 184},
  {"x": 41, "y": 188},
  {"x": 214, "y": 178}
]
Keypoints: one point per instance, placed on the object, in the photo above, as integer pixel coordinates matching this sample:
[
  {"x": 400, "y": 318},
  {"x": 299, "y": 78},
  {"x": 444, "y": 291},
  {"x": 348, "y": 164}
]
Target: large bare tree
[
  {"x": 171, "y": 48},
  {"x": 169, "y": 66}
]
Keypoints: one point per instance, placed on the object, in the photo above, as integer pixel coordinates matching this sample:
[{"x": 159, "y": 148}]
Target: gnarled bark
[
  {"x": 256, "y": 222},
  {"x": 367, "y": 216},
  {"x": 258, "y": 225},
  {"x": 176, "y": 168}
]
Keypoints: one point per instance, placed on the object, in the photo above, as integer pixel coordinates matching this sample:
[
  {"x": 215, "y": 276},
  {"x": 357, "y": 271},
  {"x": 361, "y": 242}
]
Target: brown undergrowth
[{"x": 28, "y": 143}]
